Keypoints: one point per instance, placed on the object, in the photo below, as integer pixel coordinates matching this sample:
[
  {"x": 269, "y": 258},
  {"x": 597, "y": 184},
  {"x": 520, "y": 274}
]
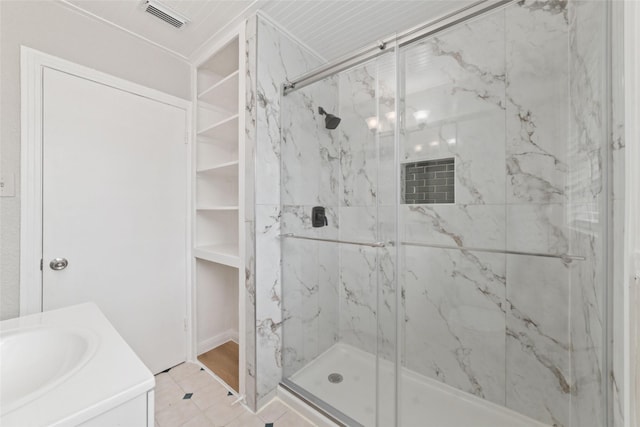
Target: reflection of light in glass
[
  {"x": 421, "y": 115},
  {"x": 417, "y": 148},
  {"x": 372, "y": 123},
  {"x": 391, "y": 116},
  {"x": 451, "y": 141},
  {"x": 434, "y": 143}
]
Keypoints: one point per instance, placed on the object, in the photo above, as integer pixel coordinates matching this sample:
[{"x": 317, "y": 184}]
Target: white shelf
[
  {"x": 223, "y": 62},
  {"x": 217, "y": 190},
  {"x": 225, "y": 254},
  {"x": 225, "y": 130},
  {"x": 218, "y": 226},
  {"x": 223, "y": 94},
  {"x": 223, "y": 169}
]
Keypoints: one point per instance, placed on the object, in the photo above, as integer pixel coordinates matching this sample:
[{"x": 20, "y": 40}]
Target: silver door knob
[{"x": 58, "y": 263}]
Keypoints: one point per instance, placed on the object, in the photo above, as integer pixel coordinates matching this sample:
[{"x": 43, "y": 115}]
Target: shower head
[{"x": 330, "y": 121}]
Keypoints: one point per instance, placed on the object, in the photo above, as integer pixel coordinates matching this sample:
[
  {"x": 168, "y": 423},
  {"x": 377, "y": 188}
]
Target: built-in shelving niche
[{"x": 217, "y": 208}]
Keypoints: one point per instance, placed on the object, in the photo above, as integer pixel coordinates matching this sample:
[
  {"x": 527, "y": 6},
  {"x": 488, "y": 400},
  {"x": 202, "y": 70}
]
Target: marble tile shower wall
[
  {"x": 366, "y": 206},
  {"x": 617, "y": 200},
  {"x": 272, "y": 58},
  {"x": 539, "y": 380},
  {"x": 310, "y": 168},
  {"x": 587, "y": 207},
  {"x": 455, "y": 302},
  {"x": 506, "y": 95},
  {"x": 250, "y": 227},
  {"x": 516, "y": 97}
]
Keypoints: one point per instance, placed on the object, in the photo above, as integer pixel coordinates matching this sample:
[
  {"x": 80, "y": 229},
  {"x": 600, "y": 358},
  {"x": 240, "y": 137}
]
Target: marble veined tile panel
[
  {"x": 537, "y": 95},
  {"x": 454, "y": 320},
  {"x": 538, "y": 380}
]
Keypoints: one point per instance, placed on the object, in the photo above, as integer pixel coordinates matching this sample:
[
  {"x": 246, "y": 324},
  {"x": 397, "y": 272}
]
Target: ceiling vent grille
[{"x": 165, "y": 13}]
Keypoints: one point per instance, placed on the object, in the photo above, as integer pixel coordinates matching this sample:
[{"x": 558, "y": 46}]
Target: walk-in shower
[{"x": 462, "y": 279}]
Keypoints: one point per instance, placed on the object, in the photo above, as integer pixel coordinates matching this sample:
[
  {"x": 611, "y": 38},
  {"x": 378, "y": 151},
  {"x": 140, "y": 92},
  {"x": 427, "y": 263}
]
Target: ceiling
[
  {"x": 330, "y": 28},
  {"x": 333, "y": 28},
  {"x": 207, "y": 17}
]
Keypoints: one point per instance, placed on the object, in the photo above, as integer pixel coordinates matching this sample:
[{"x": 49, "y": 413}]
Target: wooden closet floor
[{"x": 223, "y": 361}]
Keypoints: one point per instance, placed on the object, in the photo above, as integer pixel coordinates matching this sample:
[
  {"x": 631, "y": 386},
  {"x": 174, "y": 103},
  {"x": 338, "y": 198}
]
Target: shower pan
[{"x": 461, "y": 277}]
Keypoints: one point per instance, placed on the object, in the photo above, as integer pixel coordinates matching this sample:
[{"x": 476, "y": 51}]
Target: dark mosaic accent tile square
[
  {"x": 202, "y": 369},
  {"x": 229, "y": 393},
  {"x": 268, "y": 425},
  {"x": 430, "y": 181},
  {"x": 187, "y": 396}
]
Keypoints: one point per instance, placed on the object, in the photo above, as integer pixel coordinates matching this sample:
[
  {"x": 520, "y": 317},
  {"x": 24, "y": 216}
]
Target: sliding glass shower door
[
  {"x": 453, "y": 224},
  {"x": 339, "y": 224},
  {"x": 445, "y": 245},
  {"x": 503, "y": 219}
]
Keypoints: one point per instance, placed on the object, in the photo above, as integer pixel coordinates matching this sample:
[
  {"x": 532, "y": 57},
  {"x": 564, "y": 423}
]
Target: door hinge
[
  {"x": 186, "y": 138},
  {"x": 40, "y": 264},
  {"x": 185, "y": 324}
]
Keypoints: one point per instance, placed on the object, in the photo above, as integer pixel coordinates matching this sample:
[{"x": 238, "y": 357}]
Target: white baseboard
[
  {"x": 266, "y": 399},
  {"x": 217, "y": 340}
]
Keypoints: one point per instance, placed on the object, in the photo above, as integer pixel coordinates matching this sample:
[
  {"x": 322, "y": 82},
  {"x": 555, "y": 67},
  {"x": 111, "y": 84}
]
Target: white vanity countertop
[{"x": 112, "y": 376}]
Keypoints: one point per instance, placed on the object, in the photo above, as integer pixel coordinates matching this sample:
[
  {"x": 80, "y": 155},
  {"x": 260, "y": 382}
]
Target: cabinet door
[{"x": 130, "y": 414}]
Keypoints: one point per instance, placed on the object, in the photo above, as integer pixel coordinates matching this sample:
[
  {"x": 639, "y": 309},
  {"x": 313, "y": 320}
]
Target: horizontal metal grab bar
[
  {"x": 564, "y": 257},
  {"x": 348, "y": 242}
]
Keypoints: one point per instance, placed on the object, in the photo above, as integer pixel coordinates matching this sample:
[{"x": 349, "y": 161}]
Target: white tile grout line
[
  {"x": 289, "y": 409},
  {"x": 240, "y": 398},
  {"x": 215, "y": 377}
]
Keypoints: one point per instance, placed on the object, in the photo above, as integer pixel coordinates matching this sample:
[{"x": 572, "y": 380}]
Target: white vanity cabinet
[
  {"x": 137, "y": 412},
  {"x": 69, "y": 367}
]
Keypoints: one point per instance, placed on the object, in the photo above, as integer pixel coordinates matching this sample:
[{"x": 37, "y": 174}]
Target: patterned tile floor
[{"x": 187, "y": 396}]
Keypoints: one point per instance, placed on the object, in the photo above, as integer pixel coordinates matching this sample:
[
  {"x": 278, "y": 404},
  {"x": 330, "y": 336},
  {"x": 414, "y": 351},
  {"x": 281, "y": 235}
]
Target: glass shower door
[
  {"x": 338, "y": 277},
  {"x": 452, "y": 151},
  {"x": 458, "y": 275},
  {"x": 503, "y": 220}
]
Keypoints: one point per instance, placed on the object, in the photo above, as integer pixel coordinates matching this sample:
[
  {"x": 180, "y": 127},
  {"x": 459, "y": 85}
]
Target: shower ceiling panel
[{"x": 333, "y": 28}]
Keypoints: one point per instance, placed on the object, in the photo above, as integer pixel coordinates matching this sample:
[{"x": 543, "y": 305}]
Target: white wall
[{"x": 52, "y": 27}]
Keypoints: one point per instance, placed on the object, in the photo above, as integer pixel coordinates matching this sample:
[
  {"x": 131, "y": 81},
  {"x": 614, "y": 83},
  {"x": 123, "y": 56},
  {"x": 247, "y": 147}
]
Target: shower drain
[{"x": 335, "y": 378}]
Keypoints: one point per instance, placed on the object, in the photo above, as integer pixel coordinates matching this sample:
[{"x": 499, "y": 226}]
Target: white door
[{"x": 114, "y": 207}]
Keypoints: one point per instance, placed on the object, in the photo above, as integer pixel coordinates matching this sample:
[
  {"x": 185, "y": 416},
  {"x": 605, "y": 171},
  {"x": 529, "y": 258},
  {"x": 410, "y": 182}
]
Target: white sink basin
[
  {"x": 36, "y": 359},
  {"x": 68, "y": 367}
]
